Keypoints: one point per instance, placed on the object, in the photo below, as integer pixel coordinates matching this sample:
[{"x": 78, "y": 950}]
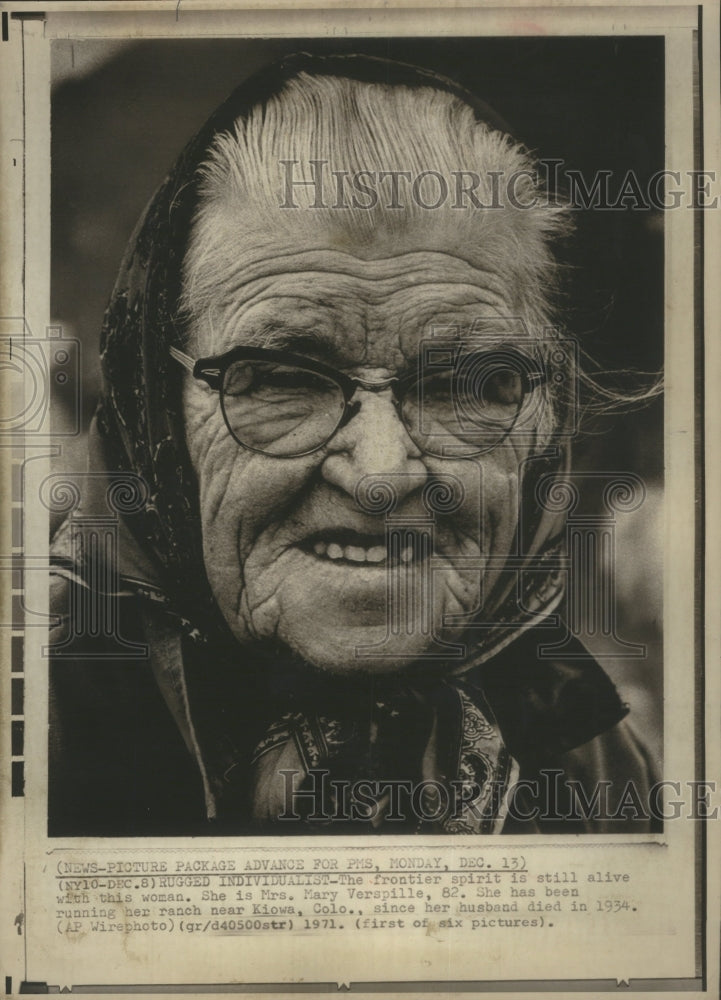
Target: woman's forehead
[{"x": 355, "y": 307}]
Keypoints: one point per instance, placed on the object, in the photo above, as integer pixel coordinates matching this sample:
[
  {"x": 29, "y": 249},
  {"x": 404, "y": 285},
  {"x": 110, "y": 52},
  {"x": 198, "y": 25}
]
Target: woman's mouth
[{"x": 352, "y": 547}]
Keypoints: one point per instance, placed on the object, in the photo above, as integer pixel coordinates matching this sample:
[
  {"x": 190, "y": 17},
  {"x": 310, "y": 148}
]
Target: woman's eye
[
  {"x": 298, "y": 379},
  {"x": 439, "y": 385},
  {"x": 247, "y": 377},
  {"x": 487, "y": 385},
  {"x": 504, "y": 387},
  {"x": 284, "y": 379}
]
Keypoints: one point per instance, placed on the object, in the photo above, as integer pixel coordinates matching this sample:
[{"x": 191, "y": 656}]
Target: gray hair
[{"x": 356, "y": 126}]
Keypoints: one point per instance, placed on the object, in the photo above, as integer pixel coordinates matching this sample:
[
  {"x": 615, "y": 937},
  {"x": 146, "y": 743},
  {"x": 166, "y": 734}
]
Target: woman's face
[{"x": 288, "y": 551}]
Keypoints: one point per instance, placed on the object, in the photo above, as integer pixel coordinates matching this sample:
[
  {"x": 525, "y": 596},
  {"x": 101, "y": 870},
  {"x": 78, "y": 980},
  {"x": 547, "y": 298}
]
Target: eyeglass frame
[{"x": 211, "y": 370}]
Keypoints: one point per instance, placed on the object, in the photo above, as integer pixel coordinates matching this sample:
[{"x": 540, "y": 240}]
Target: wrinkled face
[{"x": 288, "y": 550}]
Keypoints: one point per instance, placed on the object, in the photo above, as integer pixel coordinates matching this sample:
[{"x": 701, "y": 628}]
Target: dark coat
[{"x": 119, "y": 765}]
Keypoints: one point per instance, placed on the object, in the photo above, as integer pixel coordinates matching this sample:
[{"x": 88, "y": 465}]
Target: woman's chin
[
  {"x": 347, "y": 619},
  {"x": 365, "y": 648}
]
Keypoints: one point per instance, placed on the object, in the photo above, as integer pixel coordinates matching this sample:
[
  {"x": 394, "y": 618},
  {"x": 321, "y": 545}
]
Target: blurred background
[{"x": 122, "y": 111}]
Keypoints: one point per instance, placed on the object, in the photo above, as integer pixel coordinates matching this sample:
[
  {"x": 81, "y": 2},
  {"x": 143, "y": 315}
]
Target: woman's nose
[{"x": 374, "y": 442}]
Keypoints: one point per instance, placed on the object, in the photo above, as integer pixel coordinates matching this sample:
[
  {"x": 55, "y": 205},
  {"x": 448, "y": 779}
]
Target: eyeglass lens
[{"x": 280, "y": 409}]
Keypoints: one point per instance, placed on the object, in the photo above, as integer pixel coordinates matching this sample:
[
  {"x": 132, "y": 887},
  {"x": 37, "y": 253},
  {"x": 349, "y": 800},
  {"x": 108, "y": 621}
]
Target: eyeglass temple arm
[
  {"x": 209, "y": 376},
  {"x": 185, "y": 360}
]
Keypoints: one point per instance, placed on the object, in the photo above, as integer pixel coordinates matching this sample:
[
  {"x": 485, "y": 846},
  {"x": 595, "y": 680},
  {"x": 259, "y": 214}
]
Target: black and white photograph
[
  {"x": 355, "y": 457},
  {"x": 371, "y": 478}
]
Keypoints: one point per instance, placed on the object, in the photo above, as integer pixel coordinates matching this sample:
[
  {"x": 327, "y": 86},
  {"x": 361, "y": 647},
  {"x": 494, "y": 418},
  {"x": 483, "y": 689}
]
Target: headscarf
[{"x": 248, "y": 713}]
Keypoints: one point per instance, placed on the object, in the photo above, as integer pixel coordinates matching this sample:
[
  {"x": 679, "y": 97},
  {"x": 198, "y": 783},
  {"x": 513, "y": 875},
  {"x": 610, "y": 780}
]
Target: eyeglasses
[{"x": 458, "y": 403}]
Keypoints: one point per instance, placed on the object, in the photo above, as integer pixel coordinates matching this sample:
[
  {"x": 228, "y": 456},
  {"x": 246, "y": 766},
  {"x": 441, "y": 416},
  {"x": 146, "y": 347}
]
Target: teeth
[
  {"x": 376, "y": 555},
  {"x": 356, "y": 554}
]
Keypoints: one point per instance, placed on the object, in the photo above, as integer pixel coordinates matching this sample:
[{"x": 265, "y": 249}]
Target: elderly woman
[{"x": 329, "y": 373}]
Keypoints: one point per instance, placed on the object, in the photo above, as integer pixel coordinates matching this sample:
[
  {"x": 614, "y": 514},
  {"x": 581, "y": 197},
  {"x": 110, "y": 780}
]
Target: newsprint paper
[{"x": 360, "y": 475}]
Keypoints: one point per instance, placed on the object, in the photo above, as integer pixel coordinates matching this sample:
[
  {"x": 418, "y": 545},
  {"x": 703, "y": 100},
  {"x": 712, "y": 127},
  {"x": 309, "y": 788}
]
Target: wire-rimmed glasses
[{"x": 456, "y": 403}]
